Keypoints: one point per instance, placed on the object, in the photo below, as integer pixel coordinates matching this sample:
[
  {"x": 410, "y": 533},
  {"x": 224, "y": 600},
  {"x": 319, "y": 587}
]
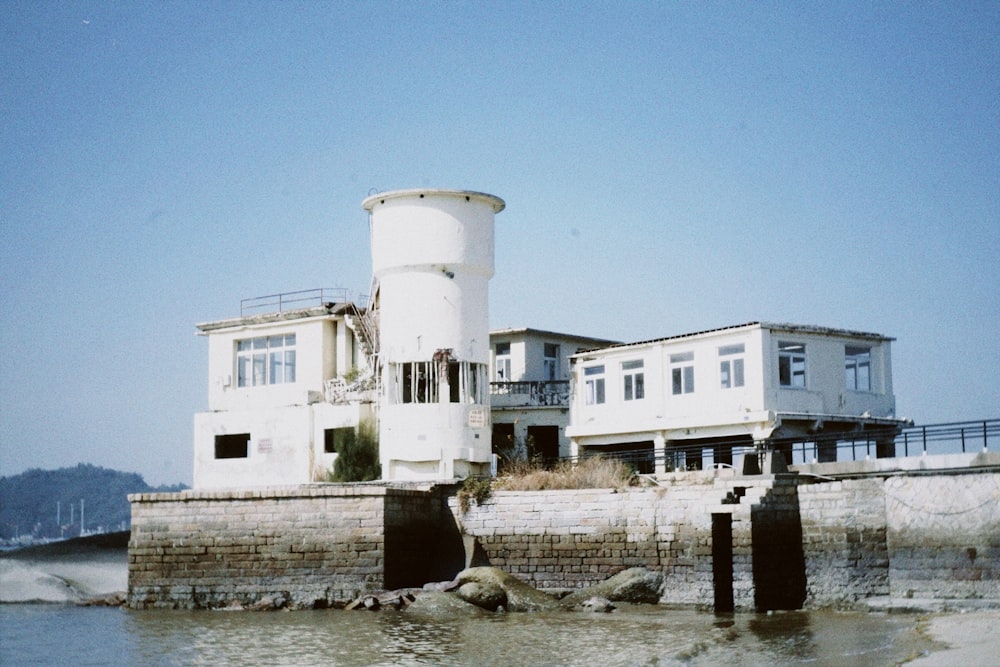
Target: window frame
[
  {"x": 732, "y": 366},
  {"x": 550, "y": 361},
  {"x": 857, "y": 357},
  {"x": 682, "y": 373},
  {"x": 265, "y": 360},
  {"x": 594, "y": 385},
  {"x": 793, "y": 362},
  {"x": 633, "y": 380},
  {"x": 501, "y": 361}
]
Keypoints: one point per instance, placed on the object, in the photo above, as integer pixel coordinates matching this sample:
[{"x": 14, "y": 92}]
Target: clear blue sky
[{"x": 667, "y": 167}]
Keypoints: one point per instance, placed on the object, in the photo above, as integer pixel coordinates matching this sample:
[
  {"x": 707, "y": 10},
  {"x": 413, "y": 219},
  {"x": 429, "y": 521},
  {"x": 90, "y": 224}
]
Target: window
[
  {"x": 791, "y": 364},
  {"x": 635, "y": 385},
  {"x": 858, "y": 368},
  {"x": 550, "y": 370},
  {"x": 234, "y": 446},
  {"x": 503, "y": 362},
  {"x": 265, "y": 360},
  {"x": 682, "y": 372},
  {"x": 731, "y": 365},
  {"x": 334, "y": 438},
  {"x": 594, "y": 384},
  {"x": 421, "y": 382},
  {"x": 417, "y": 382}
]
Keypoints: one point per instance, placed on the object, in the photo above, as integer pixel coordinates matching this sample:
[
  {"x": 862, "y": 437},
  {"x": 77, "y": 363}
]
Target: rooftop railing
[{"x": 279, "y": 303}]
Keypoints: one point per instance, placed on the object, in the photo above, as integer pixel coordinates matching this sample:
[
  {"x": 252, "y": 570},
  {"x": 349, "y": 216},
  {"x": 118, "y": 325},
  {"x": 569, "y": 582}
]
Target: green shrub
[
  {"x": 357, "y": 456},
  {"x": 474, "y": 488}
]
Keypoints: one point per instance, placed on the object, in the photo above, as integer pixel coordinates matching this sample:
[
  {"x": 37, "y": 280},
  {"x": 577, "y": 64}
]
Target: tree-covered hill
[{"x": 51, "y": 503}]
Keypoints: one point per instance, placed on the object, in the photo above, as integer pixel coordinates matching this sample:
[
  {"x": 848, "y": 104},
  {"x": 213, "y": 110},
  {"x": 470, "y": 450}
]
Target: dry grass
[{"x": 593, "y": 472}]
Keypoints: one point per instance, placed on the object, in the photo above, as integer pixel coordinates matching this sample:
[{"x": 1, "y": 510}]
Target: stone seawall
[
  {"x": 788, "y": 542},
  {"x": 943, "y": 536},
  {"x": 312, "y": 545},
  {"x": 559, "y": 539},
  {"x": 722, "y": 542}
]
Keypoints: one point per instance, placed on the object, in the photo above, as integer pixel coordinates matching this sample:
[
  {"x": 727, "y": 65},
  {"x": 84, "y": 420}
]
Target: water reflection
[
  {"x": 786, "y": 634},
  {"x": 59, "y": 636}
]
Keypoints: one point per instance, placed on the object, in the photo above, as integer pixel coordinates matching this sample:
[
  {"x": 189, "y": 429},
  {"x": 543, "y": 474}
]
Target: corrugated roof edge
[{"x": 773, "y": 326}]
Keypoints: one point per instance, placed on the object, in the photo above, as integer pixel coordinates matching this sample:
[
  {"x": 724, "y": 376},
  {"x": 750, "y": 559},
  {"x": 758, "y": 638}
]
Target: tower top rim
[{"x": 378, "y": 199}]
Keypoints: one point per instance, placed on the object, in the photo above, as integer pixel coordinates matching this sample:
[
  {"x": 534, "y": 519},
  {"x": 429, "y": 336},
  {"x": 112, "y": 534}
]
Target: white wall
[
  {"x": 315, "y": 362},
  {"x": 286, "y": 445},
  {"x": 711, "y": 410},
  {"x": 432, "y": 254}
]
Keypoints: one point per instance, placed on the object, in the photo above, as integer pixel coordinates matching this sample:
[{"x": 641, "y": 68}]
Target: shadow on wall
[
  {"x": 424, "y": 544},
  {"x": 779, "y": 568}
]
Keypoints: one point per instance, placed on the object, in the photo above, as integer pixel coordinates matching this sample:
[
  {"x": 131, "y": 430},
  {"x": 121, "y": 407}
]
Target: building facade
[
  {"x": 688, "y": 400},
  {"x": 284, "y": 385},
  {"x": 530, "y": 391}
]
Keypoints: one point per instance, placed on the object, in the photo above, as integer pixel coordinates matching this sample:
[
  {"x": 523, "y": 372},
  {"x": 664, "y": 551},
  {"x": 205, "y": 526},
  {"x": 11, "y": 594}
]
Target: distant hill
[{"x": 51, "y": 503}]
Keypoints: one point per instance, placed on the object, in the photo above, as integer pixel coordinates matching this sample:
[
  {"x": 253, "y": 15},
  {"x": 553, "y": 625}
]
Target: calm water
[{"x": 67, "y": 635}]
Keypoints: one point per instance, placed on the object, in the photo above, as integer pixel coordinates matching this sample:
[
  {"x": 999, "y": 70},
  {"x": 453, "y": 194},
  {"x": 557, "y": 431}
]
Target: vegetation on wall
[
  {"x": 357, "y": 456},
  {"x": 594, "y": 472},
  {"x": 474, "y": 488}
]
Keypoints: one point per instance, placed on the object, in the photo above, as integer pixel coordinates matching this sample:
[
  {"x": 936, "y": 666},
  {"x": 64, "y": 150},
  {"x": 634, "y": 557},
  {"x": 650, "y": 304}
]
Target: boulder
[
  {"x": 520, "y": 596},
  {"x": 636, "y": 585},
  {"x": 487, "y": 596},
  {"x": 438, "y": 604},
  {"x": 269, "y": 603},
  {"x": 598, "y": 604}
]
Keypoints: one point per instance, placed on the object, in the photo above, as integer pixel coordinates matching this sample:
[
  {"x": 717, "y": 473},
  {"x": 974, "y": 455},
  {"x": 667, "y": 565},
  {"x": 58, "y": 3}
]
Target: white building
[
  {"x": 750, "y": 383},
  {"x": 283, "y": 386},
  {"x": 432, "y": 259},
  {"x": 529, "y": 390}
]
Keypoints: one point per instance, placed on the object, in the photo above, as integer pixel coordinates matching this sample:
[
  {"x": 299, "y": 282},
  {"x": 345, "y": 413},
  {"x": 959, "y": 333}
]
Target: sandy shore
[{"x": 971, "y": 640}]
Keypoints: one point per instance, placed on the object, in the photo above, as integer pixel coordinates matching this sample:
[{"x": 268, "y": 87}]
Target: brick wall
[
  {"x": 944, "y": 536},
  {"x": 789, "y": 543},
  {"x": 844, "y": 541},
  {"x": 315, "y": 545},
  {"x": 574, "y": 539}
]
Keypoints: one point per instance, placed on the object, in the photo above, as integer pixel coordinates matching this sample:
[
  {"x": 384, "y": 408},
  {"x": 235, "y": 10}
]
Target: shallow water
[{"x": 64, "y": 635}]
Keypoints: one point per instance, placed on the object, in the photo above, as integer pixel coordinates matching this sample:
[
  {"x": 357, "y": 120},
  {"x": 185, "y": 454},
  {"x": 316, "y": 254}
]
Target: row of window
[
  {"x": 271, "y": 360},
  {"x": 550, "y": 361},
  {"x": 791, "y": 371},
  {"x": 237, "y": 445},
  {"x": 265, "y": 360}
]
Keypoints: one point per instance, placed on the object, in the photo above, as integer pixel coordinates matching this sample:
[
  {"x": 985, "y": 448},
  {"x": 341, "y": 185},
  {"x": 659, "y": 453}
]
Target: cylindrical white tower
[{"x": 432, "y": 256}]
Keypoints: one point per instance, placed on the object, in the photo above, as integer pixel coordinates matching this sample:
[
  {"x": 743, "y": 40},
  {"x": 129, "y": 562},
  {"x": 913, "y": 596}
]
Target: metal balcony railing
[
  {"x": 947, "y": 438},
  {"x": 531, "y": 393}
]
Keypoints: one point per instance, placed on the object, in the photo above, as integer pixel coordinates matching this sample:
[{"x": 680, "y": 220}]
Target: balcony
[{"x": 530, "y": 394}]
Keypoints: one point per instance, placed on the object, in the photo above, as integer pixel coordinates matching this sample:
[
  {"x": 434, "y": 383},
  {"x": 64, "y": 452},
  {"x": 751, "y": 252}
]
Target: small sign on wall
[
  {"x": 477, "y": 418},
  {"x": 264, "y": 446}
]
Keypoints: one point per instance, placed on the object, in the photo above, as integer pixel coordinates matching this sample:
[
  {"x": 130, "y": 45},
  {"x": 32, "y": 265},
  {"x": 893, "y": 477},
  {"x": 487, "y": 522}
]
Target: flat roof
[
  {"x": 772, "y": 326},
  {"x": 268, "y": 318},
  {"x": 512, "y": 331}
]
